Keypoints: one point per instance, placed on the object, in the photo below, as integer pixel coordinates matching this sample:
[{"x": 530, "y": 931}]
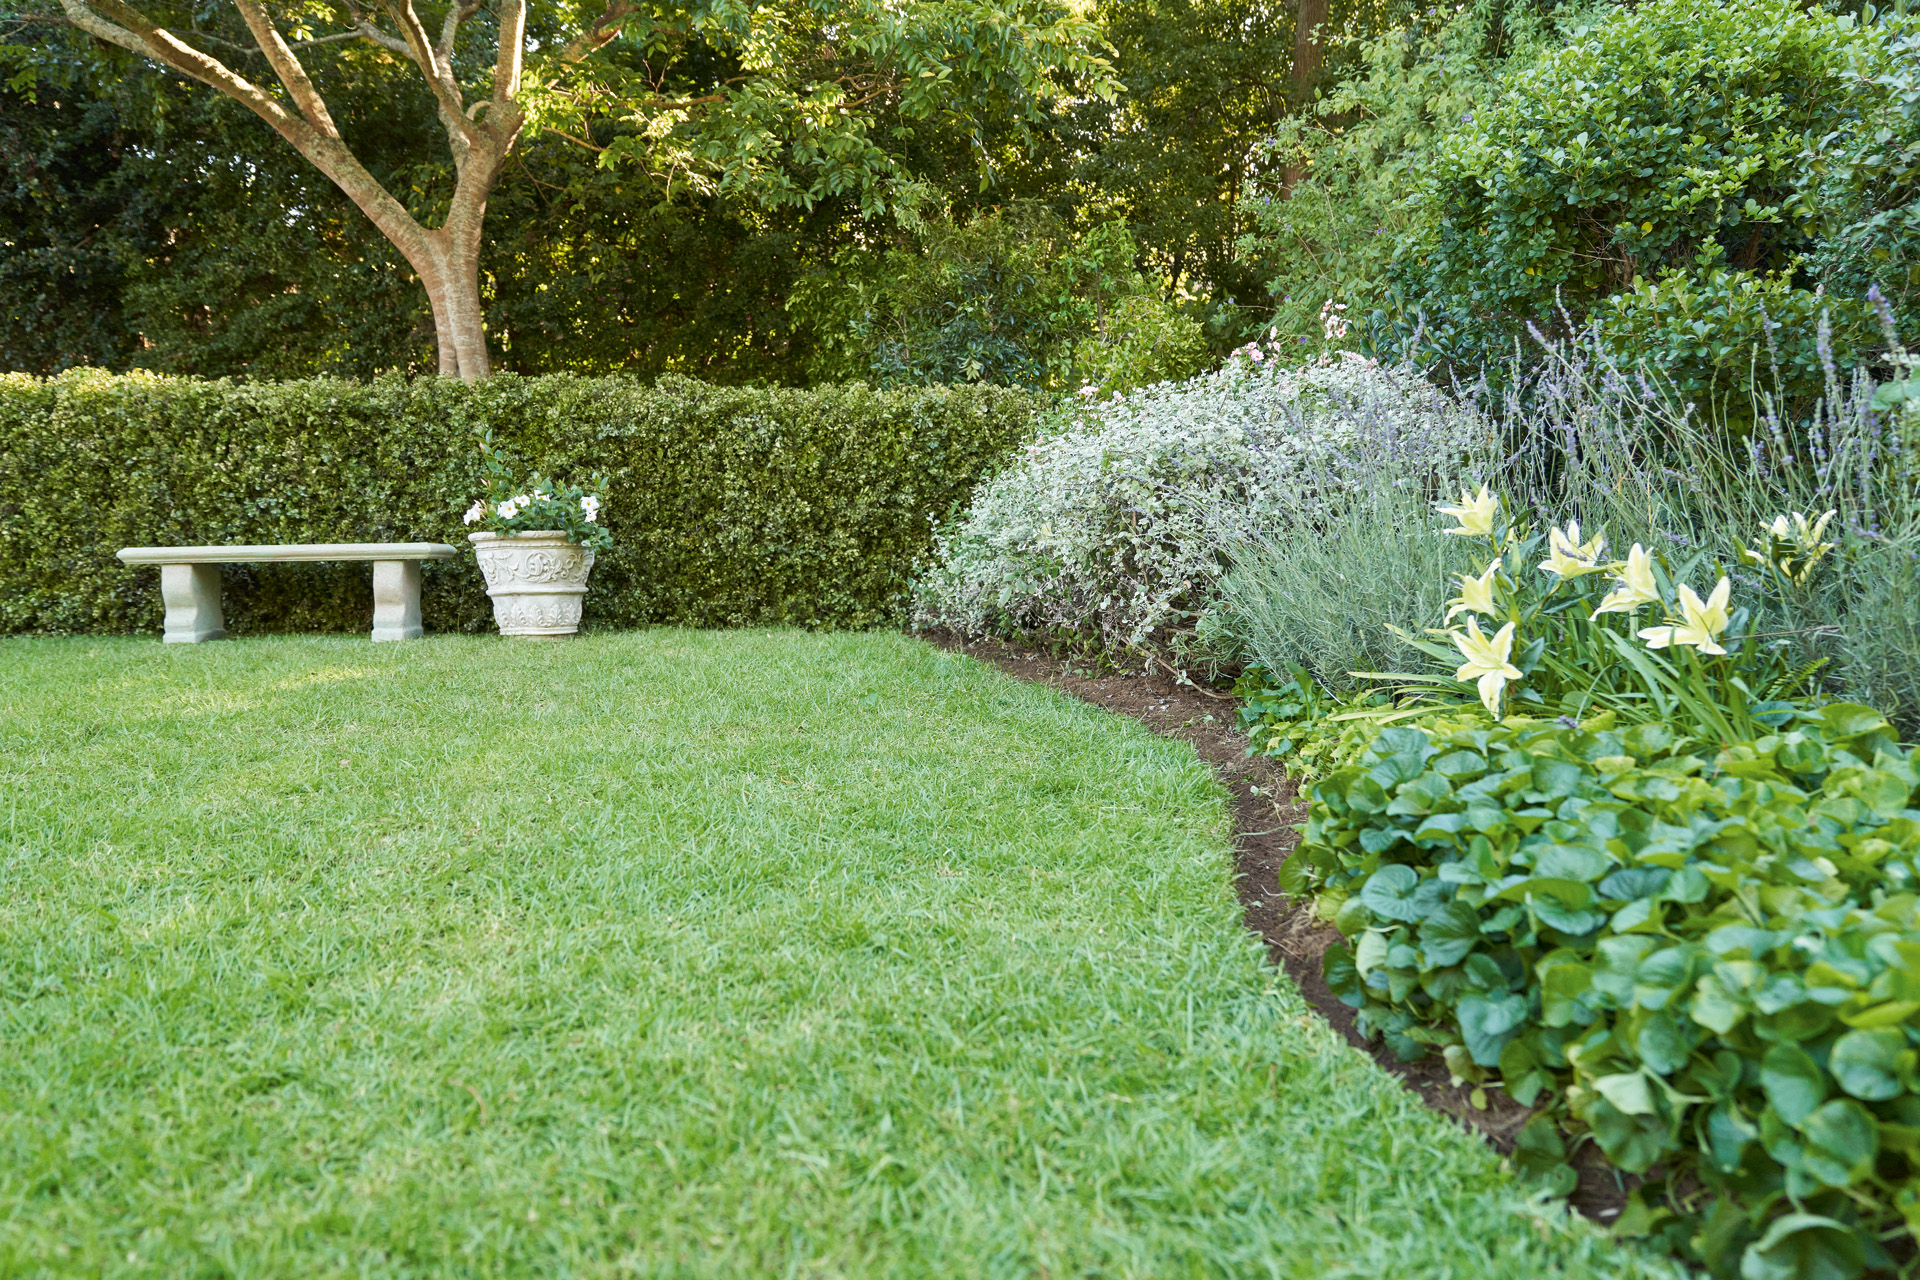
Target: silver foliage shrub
[{"x": 1115, "y": 526}]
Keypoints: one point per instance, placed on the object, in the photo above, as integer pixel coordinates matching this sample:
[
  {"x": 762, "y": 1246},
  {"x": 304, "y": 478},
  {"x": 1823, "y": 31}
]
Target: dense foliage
[
  {"x": 1700, "y": 955},
  {"x": 1705, "y": 182},
  {"x": 1665, "y": 140},
  {"x": 1110, "y": 529},
  {"x": 725, "y": 506},
  {"x": 1013, "y": 299},
  {"x": 217, "y": 251}
]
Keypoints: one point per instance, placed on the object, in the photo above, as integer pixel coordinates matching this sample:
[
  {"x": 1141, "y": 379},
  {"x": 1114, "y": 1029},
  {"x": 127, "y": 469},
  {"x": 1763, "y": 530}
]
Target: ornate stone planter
[{"x": 536, "y": 580}]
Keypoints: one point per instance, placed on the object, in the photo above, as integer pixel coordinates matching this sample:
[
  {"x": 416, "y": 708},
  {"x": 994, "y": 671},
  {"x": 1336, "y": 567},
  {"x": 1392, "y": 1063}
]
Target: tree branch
[
  {"x": 335, "y": 38},
  {"x": 578, "y": 142},
  {"x": 287, "y": 67},
  {"x": 513, "y": 40},
  {"x": 135, "y": 32},
  {"x": 385, "y": 41},
  {"x": 456, "y": 14},
  {"x": 439, "y": 76},
  {"x": 600, "y": 32},
  {"x": 364, "y": 25}
]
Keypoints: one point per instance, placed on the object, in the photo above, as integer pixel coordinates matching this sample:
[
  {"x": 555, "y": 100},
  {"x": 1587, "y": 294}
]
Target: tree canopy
[{"x": 775, "y": 102}]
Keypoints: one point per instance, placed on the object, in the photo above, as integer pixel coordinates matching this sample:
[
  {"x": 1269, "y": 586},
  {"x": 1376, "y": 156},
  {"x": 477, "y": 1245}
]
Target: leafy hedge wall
[{"x": 729, "y": 506}]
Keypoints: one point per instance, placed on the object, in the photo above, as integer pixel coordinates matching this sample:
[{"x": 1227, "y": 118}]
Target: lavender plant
[{"x": 1611, "y": 445}]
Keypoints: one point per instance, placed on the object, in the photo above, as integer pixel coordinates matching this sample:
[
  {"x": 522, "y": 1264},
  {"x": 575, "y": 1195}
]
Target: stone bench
[{"x": 190, "y": 582}]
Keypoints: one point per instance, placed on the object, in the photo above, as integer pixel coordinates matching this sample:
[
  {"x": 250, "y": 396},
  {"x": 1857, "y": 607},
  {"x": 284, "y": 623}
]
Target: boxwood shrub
[
  {"x": 728, "y": 506},
  {"x": 1707, "y": 961}
]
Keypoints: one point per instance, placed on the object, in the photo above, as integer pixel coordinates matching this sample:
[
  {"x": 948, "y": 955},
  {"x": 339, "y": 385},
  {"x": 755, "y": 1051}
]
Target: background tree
[{"x": 773, "y": 101}]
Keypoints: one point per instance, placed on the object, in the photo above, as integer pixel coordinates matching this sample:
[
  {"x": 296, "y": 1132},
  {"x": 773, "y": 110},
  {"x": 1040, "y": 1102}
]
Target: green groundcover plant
[
  {"x": 1706, "y": 961},
  {"x": 1619, "y": 859}
]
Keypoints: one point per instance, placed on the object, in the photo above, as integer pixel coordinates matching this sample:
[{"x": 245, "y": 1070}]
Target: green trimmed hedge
[{"x": 729, "y": 506}]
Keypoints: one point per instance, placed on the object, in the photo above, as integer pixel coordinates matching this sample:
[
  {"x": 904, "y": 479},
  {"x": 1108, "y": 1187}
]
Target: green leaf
[
  {"x": 1488, "y": 1022},
  {"x": 1842, "y": 1140},
  {"x": 1370, "y": 952},
  {"x": 1540, "y": 1153},
  {"x": 1631, "y": 883},
  {"x": 1804, "y": 1246},
  {"x": 1793, "y": 1082},
  {"x": 1364, "y": 795},
  {"x": 1571, "y": 894},
  {"x": 1390, "y": 893},
  {"x": 1661, "y": 1046},
  {"x": 1714, "y": 1007},
  {"x": 1448, "y": 935},
  {"x": 1634, "y": 1142},
  {"x": 1342, "y": 978},
  {"x": 1850, "y": 719},
  {"x": 1629, "y": 1091},
  {"x": 1557, "y": 779},
  {"x": 1872, "y": 1064},
  {"x": 1566, "y": 983},
  {"x": 1296, "y": 875},
  {"x": 1571, "y": 862},
  {"x": 1728, "y": 1134}
]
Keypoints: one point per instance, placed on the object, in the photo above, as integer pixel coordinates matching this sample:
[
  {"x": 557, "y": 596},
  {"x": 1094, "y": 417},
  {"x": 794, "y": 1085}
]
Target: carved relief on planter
[{"x": 536, "y": 580}]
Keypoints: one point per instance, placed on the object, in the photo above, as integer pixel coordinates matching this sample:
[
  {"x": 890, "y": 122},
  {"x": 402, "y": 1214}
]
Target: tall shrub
[
  {"x": 1115, "y": 528},
  {"x": 1652, "y": 174}
]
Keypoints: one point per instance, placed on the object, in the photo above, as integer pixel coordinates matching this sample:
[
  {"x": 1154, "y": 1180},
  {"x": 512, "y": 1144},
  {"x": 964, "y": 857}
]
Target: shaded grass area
[{"x": 664, "y": 953}]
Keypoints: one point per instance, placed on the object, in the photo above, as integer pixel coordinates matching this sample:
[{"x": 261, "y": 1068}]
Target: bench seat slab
[
  {"x": 296, "y": 551},
  {"x": 190, "y": 582}
]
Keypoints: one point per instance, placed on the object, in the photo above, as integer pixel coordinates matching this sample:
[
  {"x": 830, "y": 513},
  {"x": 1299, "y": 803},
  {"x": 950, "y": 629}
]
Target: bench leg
[
  {"x": 191, "y": 593},
  {"x": 396, "y": 600}
]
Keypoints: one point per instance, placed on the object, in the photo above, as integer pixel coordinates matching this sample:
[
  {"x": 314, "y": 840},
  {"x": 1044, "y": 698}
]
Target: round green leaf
[
  {"x": 1793, "y": 1081},
  {"x": 1871, "y": 1064},
  {"x": 1804, "y": 1246},
  {"x": 1389, "y": 893},
  {"x": 1842, "y": 1140}
]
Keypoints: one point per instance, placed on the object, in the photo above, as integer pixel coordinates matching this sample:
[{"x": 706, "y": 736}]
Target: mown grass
[{"x": 664, "y": 954}]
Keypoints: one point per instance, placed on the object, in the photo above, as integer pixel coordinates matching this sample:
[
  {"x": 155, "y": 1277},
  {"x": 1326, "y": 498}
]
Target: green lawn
[{"x": 664, "y": 954}]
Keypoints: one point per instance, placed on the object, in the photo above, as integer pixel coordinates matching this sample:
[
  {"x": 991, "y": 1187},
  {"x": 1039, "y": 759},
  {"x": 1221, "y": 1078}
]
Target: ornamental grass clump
[{"x": 1115, "y": 528}]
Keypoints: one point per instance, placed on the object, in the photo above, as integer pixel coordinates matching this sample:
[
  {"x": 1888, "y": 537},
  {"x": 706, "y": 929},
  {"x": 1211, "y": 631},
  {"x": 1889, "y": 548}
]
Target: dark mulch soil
[{"x": 1266, "y": 812}]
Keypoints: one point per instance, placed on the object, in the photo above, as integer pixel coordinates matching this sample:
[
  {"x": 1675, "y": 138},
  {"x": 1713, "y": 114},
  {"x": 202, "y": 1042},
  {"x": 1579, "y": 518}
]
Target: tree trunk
[
  {"x": 453, "y": 291},
  {"x": 1309, "y": 33},
  {"x": 449, "y": 270},
  {"x": 446, "y": 258}
]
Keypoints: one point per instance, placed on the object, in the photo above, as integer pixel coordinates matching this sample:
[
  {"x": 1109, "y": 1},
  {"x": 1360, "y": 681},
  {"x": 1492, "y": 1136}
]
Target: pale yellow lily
[
  {"x": 1475, "y": 513},
  {"x": 1701, "y": 622},
  {"x": 1637, "y": 586},
  {"x": 1792, "y": 549},
  {"x": 1476, "y": 594},
  {"x": 1487, "y": 663},
  {"x": 1568, "y": 557}
]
